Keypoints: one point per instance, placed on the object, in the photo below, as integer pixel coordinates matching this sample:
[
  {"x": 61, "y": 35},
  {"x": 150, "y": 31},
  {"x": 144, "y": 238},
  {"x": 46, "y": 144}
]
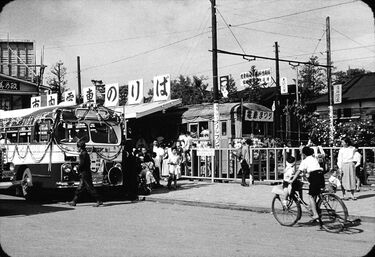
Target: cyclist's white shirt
[{"x": 309, "y": 164}]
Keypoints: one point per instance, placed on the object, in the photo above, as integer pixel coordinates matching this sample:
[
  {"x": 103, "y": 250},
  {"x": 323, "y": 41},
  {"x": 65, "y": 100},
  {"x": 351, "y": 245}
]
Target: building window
[
  {"x": 347, "y": 112},
  {"x": 223, "y": 128}
]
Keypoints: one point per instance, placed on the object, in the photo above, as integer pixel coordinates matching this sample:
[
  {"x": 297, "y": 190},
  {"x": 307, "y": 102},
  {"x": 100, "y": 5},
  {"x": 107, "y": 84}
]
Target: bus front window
[
  {"x": 71, "y": 132},
  {"x": 103, "y": 133}
]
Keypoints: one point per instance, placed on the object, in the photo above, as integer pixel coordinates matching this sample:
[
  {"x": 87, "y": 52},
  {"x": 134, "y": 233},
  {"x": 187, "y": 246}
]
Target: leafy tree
[
  {"x": 56, "y": 79},
  {"x": 313, "y": 80},
  {"x": 252, "y": 92},
  {"x": 123, "y": 94},
  {"x": 190, "y": 90},
  {"x": 341, "y": 77}
]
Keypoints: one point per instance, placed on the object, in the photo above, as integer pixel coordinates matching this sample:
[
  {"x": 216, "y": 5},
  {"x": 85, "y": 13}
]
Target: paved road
[{"x": 159, "y": 229}]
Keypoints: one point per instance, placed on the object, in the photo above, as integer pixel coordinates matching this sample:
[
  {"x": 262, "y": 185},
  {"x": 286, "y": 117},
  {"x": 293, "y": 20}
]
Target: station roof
[{"x": 140, "y": 110}]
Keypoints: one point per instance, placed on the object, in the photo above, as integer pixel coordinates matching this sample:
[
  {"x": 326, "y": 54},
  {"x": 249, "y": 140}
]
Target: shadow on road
[
  {"x": 181, "y": 185},
  {"x": 365, "y": 196},
  {"x": 15, "y": 207}
]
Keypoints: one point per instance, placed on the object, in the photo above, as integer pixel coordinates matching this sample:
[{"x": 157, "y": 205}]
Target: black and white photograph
[{"x": 187, "y": 128}]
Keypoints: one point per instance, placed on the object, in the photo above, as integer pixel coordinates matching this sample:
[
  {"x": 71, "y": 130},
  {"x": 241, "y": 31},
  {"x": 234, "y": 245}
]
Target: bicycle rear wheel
[
  {"x": 286, "y": 215},
  {"x": 333, "y": 213}
]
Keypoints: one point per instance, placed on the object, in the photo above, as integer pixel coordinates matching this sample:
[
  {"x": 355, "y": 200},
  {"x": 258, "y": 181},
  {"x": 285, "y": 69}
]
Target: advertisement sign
[
  {"x": 52, "y": 100},
  {"x": 70, "y": 97},
  {"x": 217, "y": 125},
  {"x": 284, "y": 86},
  {"x": 224, "y": 82},
  {"x": 254, "y": 115},
  {"x": 162, "y": 87},
  {"x": 135, "y": 91},
  {"x": 264, "y": 77},
  {"x": 337, "y": 94},
  {"x": 112, "y": 95},
  {"x": 36, "y": 101},
  {"x": 89, "y": 95}
]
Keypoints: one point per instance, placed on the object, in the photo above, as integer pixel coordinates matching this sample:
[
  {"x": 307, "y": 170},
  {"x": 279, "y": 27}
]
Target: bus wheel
[{"x": 27, "y": 184}]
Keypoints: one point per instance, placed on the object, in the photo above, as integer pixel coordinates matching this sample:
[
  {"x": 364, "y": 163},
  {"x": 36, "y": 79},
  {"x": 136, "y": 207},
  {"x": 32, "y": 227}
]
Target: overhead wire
[
  {"x": 352, "y": 40},
  {"x": 293, "y": 14}
]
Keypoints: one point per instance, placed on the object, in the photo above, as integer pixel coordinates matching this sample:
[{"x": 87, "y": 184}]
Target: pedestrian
[
  {"x": 345, "y": 162},
  {"x": 131, "y": 169},
  {"x": 245, "y": 157},
  {"x": 174, "y": 162},
  {"x": 357, "y": 158},
  {"x": 319, "y": 153},
  {"x": 84, "y": 170}
]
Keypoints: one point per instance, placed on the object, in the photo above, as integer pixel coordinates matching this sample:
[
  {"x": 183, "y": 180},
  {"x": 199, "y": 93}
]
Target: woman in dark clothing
[
  {"x": 84, "y": 170},
  {"x": 130, "y": 169}
]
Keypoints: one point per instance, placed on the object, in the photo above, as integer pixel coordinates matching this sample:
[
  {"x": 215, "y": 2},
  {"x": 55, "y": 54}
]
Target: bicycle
[{"x": 333, "y": 214}]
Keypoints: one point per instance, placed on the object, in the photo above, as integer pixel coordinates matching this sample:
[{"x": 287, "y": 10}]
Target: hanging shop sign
[
  {"x": 162, "y": 87},
  {"x": 264, "y": 77},
  {"x": 112, "y": 95},
  {"x": 135, "y": 91},
  {"x": 89, "y": 95},
  {"x": 52, "y": 100},
  {"x": 9, "y": 85},
  {"x": 70, "y": 97},
  {"x": 36, "y": 101},
  {"x": 254, "y": 115}
]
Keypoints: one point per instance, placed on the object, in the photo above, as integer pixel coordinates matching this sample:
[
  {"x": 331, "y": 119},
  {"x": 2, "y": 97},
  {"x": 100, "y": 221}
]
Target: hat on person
[{"x": 81, "y": 144}]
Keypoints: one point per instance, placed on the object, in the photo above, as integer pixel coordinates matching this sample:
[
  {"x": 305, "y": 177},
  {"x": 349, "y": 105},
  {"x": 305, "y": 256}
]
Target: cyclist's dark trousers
[
  {"x": 245, "y": 170},
  {"x": 86, "y": 184}
]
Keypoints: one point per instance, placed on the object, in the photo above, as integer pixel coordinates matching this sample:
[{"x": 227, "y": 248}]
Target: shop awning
[{"x": 140, "y": 110}]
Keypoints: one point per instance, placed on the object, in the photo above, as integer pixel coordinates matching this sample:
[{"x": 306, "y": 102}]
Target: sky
[{"x": 123, "y": 40}]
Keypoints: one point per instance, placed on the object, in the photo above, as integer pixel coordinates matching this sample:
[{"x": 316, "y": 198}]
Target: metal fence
[{"x": 268, "y": 163}]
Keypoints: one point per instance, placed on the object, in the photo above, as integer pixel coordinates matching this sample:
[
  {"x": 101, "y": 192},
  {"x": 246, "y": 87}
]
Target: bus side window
[{"x": 42, "y": 131}]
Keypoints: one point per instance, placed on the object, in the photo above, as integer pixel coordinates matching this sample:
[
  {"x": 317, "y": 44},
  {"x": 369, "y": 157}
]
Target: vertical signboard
[
  {"x": 89, "y": 95},
  {"x": 135, "y": 91},
  {"x": 112, "y": 95},
  {"x": 284, "y": 86},
  {"x": 224, "y": 82},
  {"x": 162, "y": 87},
  {"x": 52, "y": 100},
  {"x": 70, "y": 97},
  {"x": 337, "y": 94},
  {"x": 36, "y": 101},
  {"x": 217, "y": 125}
]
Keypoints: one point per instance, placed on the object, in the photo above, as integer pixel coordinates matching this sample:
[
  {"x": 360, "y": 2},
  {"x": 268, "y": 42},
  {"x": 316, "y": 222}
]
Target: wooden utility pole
[
  {"x": 330, "y": 94},
  {"x": 79, "y": 79},
  {"x": 277, "y": 116},
  {"x": 214, "y": 75}
]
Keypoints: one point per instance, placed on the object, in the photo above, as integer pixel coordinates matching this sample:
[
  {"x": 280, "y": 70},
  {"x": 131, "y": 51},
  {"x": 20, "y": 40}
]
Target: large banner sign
[
  {"x": 89, "y": 95},
  {"x": 135, "y": 91},
  {"x": 253, "y": 115},
  {"x": 162, "y": 87},
  {"x": 112, "y": 95},
  {"x": 36, "y": 101},
  {"x": 284, "y": 86},
  {"x": 70, "y": 97},
  {"x": 224, "y": 83},
  {"x": 264, "y": 77},
  {"x": 52, "y": 100}
]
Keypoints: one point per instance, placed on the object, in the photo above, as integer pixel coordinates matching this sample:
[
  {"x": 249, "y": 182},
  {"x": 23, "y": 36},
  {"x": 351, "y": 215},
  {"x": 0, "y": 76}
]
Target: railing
[{"x": 267, "y": 165}]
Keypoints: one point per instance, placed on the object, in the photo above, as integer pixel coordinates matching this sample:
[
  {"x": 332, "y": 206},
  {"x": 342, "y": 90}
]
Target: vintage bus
[{"x": 38, "y": 148}]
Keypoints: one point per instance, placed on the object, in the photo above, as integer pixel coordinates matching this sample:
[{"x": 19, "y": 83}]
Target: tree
[
  {"x": 252, "y": 92},
  {"x": 56, "y": 80},
  {"x": 341, "y": 77},
  {"x": 313, "y": 80},
  {"x": 190, "y": 90},
  {"x": 123, "y": 94}
]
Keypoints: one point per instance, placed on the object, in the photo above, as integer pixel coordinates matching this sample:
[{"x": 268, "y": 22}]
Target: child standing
[{"x": 288, "y": 175}]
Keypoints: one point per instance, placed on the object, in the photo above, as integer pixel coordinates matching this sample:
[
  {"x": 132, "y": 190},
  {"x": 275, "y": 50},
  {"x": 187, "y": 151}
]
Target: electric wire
[
  {"x": 238, "y": 42},
  {"x": 296, "y": 13},
  {"x": 352, "y": 39}
]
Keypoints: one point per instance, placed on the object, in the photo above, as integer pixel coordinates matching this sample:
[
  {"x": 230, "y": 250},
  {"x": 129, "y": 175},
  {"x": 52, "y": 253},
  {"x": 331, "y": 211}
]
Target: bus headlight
[
  {"x": 66, "y": 167},
  {"x": 11, "y": 167}
]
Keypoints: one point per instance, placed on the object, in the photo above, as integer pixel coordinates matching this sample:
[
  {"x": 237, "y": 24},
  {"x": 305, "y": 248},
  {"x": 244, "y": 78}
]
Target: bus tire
[{"x": 27, "y": 184}]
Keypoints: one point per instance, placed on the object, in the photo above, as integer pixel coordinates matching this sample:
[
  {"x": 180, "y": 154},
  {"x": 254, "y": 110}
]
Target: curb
[{"x": 236, "y": 207}]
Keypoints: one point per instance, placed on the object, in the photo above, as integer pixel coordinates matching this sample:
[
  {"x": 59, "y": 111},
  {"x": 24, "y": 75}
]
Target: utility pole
[
  {"x": 297, "y": 99},
  {"x": 277, "y": 115},
  {"x": 330, "y": 95},
  {"x": 214, "y": 75},
  {"x": 79, "y": 79}
]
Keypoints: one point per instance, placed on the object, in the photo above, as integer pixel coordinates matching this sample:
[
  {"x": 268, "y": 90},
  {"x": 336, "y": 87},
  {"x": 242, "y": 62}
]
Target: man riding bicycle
[{"x": 314, "y": 174}]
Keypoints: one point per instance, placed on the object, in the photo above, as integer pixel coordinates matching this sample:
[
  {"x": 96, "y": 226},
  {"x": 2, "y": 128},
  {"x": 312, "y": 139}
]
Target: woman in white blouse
[{"x": 345, "y": 162}]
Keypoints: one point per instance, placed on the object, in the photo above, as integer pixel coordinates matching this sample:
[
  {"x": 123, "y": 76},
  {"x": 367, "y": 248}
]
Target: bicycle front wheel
[
  {"x": 333, "y": 213},
  {"x": 287, "y": 214}
]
